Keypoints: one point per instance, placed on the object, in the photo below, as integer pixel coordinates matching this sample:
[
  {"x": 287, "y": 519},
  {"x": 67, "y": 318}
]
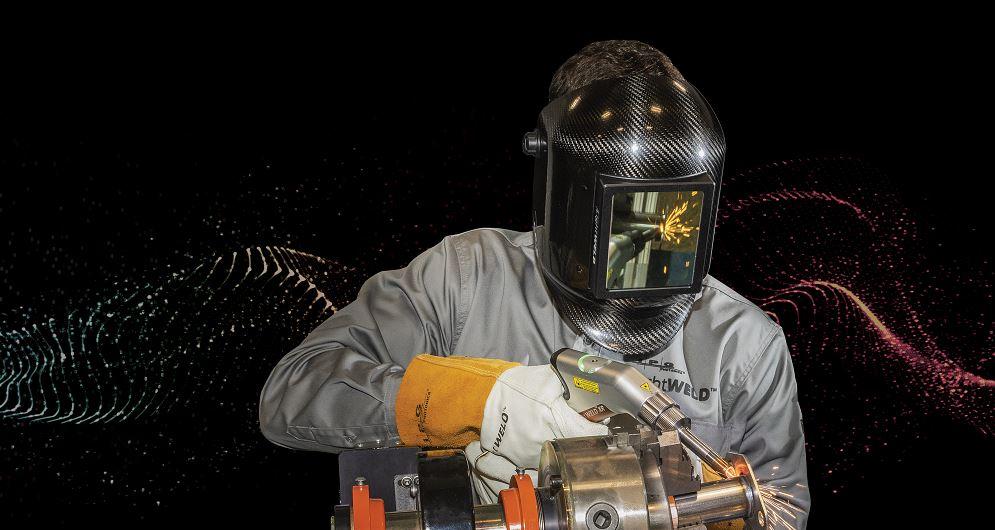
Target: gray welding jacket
[{"x": 481, "y": 294}]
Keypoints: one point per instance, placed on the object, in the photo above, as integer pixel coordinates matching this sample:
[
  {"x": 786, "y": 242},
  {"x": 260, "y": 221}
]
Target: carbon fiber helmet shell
[{"x": 626, "y": 132}]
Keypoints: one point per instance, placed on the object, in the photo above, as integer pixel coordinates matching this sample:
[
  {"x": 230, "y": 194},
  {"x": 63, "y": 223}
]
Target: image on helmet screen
[{"x": 654, "y": 239}]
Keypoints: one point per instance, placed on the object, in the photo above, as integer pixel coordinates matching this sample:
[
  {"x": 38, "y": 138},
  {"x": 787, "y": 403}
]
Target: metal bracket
[
  {"x": 676, "y": 468},
  {"x": 625, "y": 428},
  {"x": 406, "y": 492}
]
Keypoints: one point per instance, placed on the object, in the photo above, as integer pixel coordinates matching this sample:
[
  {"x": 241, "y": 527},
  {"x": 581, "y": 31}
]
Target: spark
[
  {"x": 673, "y": 226},
  {"x": 778, "y": 509}
]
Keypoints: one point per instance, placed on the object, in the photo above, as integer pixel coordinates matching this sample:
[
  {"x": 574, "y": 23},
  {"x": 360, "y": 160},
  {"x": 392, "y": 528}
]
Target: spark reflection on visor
[{"x": 654, "y": 239}]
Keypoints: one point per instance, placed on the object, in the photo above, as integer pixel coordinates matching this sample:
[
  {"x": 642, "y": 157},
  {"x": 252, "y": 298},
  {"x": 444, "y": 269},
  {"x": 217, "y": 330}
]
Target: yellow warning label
[
  {"x": 584, "y": 384},
  {"x": 645, "y": 386}
]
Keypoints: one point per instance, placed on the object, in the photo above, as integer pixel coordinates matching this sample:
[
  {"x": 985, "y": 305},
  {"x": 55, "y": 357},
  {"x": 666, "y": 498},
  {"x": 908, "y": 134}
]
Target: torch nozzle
[
  {"x": 662, "y": 411},
  {"x": 706, "y": 453}
]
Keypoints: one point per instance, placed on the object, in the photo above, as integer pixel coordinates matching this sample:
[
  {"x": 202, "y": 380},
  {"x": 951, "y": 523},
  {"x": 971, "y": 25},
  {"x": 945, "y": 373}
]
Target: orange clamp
[
  {"x": 521, "y": 511},
  {"x": 367, "y": 513}
]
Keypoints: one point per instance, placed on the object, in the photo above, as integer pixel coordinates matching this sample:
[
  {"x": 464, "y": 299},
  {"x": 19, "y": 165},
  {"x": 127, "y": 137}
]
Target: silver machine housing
[
  {"x": 636, "y": 479},
  {"x": 639, "y": 477}
]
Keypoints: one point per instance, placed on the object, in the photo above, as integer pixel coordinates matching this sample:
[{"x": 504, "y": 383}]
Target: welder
[{"x": 453, "y": 350}]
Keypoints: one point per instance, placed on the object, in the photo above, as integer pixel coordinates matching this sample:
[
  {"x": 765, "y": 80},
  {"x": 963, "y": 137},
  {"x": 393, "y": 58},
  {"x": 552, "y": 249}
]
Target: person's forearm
[
  {"x": 329, "y": 399},
  {"x": 337, "y": 389}
]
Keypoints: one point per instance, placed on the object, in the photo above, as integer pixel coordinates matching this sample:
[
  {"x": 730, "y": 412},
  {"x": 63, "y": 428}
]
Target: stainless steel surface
[
  {"x": 602, "y": 516},
  {"x": 657, "y": 508},
  {"x": 662, "y": 411},
  {"x": 488, "y": 517},
  {"x": 717, "y": 501},
  {"x": 612, "y": 471},
  {"x": 593, "y": 471},
  {"x": 676, "y": 469},
  {"x": 706, "y": 453},
  {"x": 758, "y": 511},
  {"x": 619, "y": 387},
  {"x": 407, "y": 520},
  {"x": 485, "y": 516}
]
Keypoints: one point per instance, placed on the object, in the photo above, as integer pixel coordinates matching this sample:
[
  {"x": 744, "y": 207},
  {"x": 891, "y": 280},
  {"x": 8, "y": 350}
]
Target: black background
[{"x": 123, "y": 151}]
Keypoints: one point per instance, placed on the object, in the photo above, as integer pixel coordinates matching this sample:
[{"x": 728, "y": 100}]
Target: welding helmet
[{"x": 627, "y": 180}]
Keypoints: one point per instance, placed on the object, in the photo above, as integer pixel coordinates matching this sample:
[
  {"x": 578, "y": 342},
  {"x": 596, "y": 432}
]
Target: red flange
[
  {"x": 367, "y": 513},
  {"x": 521, "y": 511}
]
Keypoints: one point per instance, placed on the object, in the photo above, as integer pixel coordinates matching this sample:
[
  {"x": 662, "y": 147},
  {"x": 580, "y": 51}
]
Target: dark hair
[{"x": 607, "y": 59}]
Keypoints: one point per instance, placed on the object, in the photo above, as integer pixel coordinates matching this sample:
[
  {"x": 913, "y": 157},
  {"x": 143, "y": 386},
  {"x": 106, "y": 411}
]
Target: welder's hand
[
  {"x": 511, "y": 409},
  {"x": 491, "y": 473},
  {"x": 525, "y": 408}
]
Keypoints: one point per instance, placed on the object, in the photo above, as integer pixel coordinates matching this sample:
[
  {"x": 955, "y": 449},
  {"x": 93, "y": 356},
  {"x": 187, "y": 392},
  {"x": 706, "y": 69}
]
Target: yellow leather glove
[
  {"x": 512, "y": 409},
  {"x": 441, "y": 399}
]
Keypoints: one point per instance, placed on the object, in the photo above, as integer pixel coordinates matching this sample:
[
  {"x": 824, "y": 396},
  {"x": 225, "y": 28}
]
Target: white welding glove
[
  {"x": 491, "y": 473},
  {"x": 524, "y": 409}
]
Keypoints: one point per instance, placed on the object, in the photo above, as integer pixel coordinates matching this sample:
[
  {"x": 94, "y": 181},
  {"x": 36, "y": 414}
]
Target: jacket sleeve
[
  {"x": 336, "y": 390},
  {"x": 773, "y": 442}
]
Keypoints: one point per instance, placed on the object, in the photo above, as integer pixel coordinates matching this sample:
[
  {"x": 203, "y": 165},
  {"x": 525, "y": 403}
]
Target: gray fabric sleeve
[
  {"x": 336, "y": 390},
  {"x": 773, "y": 442}
]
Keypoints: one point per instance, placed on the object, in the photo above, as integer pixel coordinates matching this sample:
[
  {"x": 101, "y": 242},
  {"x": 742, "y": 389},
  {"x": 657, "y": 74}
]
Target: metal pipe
[
  {"x": 488, "y": 517},
  {"x": 626, "y": 246},
  {"x": 485, "y": 517},
  {"x": 404, "y": 520},
  {"x": 661, "y": 410},
  {"x": 706, "y": 453},
  {"x": 716, "y": 501}
]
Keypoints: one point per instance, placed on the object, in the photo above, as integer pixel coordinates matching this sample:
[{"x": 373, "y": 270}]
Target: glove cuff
[{"x": 441, "y": 399}]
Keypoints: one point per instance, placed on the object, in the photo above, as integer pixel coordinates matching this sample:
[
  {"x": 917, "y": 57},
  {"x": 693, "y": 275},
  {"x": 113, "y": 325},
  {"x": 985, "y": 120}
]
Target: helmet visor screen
[{"x": 654, "y": 239}]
